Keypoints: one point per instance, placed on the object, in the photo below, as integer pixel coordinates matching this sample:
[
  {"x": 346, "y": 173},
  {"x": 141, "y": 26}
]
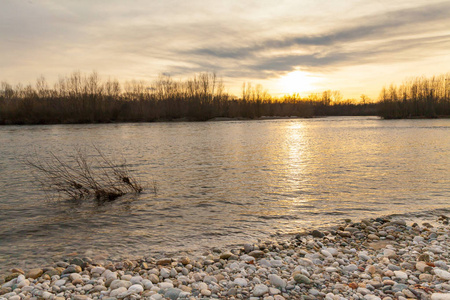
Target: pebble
[
  {"x": 172, "y": 293},
  {"x": 241, "y": 282},
  {"x": 260, "y": 289},
  {"x": 300, "y": 278},
  {"x": 440, "y": 296},
  {"x": 277, "y": 281},
  {"x": 34, "y": 273},
  {"x": 401, "y": 275},
  {"x": 117, "y": 291},
  {"x": 368, "y": 260},
  {"x": 442, "y": 274},
  {"x": 136, "y": 289}
]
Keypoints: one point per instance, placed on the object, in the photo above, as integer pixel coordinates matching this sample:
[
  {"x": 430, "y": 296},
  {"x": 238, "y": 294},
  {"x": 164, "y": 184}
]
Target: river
[{"x": 220, "y": 183}]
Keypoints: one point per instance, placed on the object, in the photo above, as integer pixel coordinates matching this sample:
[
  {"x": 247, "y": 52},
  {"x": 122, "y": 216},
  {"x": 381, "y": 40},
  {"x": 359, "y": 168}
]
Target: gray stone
[
  {"x": 300, "y": 278},
  {"x": 277, "y": 281},
  {"x": 119, "y": 283},
  {"x": 398, "y": 287},
  {"x": 172, "y": 293},
  {"x": 260, "y": 289},
  {"x": 442, "y": 274}
]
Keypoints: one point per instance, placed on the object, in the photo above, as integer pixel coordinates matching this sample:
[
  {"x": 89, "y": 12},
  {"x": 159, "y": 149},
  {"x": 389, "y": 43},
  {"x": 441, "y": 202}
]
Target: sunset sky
[{"x": 354, "y": 46}]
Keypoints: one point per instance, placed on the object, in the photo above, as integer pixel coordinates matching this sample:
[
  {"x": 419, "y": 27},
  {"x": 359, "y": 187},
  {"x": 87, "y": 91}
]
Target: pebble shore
[{"x": 372, "y": 259}]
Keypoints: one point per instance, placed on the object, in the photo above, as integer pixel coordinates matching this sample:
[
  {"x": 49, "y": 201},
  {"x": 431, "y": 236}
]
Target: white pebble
[
  {"x": 241, "y": 282},
  {"x": 442, "y": 274},
  {"x": 136, "y": 289}
]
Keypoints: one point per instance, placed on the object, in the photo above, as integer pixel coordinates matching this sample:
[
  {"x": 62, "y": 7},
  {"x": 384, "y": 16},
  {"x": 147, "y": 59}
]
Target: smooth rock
[
  {"x": 147, "y": 284},
  {"x": 153, "y": 278},
  {"x": 440, "y": 296},
  {"x": 172, "y": 293},
  {"x": 136, "y": 289},
  {"x": 119, "y": 283},
  {"x": 401, "y": 275},
  {"x": 371, "y": 297},
  {"x": 164, "y": 273},
  {"x": 164, "y": 261},
  {"x": 442, "y": 274},
  {"x": 226, "y": 255},
  {"x": 74, "y": 276},
  {"x": 274, "y": 291},
  {"x": 317, "y": 234},
  {"x": 257, "y": 253},
  {"x": 34, "y": 273},
  {"x": 165, "y": 285},
  {"x": 423, "y": 267},
  {"x": 389, "y": 253},
  {"x": 277, "y": 281},
  {"x": 426, "y": 277},
  {"x": 241, "y": 282},
  {"x": 300, "y": 278},
  {"x": 117, "y": 291},
  {"x": 351, "y": 268},
  {"x": 398, "y": 287},
  {"x": 260, "y": 289}
]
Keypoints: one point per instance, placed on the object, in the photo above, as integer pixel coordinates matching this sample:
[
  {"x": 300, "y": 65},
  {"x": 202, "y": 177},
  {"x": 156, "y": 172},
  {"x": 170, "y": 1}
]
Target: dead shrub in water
[{"x": 83, "y": 178}]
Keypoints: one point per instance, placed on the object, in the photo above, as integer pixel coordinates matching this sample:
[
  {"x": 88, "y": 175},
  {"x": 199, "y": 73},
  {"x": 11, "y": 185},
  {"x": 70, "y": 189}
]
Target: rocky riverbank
[{"x": 371, "y": 259}]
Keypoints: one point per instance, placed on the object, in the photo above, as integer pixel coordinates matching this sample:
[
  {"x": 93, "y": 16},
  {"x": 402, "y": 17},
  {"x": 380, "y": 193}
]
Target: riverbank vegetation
[
  {"x": 420, "y": 97},
  {"x": 83, "y": 176},
  {"x": 81, "y": 98},
  {"x": 86, "y": 98}
]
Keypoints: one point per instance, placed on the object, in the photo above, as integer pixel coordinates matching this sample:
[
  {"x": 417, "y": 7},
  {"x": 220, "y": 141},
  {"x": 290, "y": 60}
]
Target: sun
[{"x": 297, "y": 82}]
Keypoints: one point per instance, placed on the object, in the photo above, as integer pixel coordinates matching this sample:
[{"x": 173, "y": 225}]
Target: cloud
[
  {"x": 366, "y": 39},
  {"x": 240, "y": 40}
]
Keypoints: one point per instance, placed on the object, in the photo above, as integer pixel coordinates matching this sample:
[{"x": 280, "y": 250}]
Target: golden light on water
[{"x": 298, "y": 82}]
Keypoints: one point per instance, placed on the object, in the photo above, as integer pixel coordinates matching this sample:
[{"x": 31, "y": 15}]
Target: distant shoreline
[{"x": 224, "y": 119}]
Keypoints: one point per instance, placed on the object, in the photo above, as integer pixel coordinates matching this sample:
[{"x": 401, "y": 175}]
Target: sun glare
[{"x": 297, "y": 82}]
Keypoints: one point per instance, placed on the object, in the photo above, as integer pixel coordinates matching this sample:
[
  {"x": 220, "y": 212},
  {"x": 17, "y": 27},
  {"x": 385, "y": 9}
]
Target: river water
[{"x": 220, "y": 183}]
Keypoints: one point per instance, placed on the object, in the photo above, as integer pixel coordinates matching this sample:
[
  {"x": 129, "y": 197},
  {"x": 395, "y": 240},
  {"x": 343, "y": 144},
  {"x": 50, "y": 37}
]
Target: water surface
[{"x": 221, "y": 183}]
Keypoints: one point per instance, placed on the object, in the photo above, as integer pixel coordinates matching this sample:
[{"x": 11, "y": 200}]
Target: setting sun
[{"x": 297, "y": 82}]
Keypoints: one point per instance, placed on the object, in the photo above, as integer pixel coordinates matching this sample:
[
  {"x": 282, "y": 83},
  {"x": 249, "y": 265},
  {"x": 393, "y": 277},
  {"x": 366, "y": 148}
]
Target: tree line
[
  {"x": 427, "y": 97},
  {"x": 86, "y": 98}
]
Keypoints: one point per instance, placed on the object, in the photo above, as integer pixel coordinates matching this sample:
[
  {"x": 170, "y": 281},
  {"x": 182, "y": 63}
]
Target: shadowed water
[{"x": 221, "y": 183}]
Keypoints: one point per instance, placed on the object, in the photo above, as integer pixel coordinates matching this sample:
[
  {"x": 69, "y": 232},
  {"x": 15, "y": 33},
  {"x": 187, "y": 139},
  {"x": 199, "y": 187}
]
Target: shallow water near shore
[{"x": 221, "y": 183}]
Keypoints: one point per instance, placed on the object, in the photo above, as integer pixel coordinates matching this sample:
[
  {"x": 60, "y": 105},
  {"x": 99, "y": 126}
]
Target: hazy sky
[{"x": 355, "y": 46}]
